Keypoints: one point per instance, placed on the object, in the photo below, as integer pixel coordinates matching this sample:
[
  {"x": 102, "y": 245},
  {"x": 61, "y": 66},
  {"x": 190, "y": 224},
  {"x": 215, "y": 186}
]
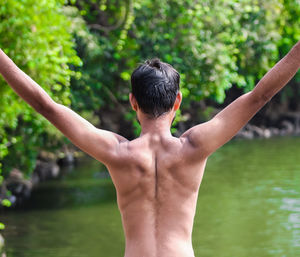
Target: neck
[{"x": 156, "y": 126}]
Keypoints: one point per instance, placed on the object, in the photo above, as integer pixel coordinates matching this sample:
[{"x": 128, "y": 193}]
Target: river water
[{"x": 249, "y": 205}]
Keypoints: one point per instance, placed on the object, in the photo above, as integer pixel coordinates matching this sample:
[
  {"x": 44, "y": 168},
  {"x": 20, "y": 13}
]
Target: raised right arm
[
  {"x": 209, "y": 136},
  {"x": 101, "y": 144}
]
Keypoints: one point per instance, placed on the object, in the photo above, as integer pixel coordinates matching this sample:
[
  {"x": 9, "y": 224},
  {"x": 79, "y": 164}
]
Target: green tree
[
  {"x": 37, "y": 36},
  {"x": 214, "y": 44}
]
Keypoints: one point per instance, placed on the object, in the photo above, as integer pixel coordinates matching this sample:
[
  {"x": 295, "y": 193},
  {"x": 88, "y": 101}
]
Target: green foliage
[
  {"x": 106, "y": 72},
  {"x": 213, "y": 44},
  {"x": 6, "y": 203},
  {"x": 35, "y": 35},
  {"x": 290, "y": 31}
]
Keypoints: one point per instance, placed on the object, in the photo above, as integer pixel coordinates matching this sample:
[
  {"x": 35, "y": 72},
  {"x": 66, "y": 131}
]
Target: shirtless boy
[{"x": 157, "y": 176}]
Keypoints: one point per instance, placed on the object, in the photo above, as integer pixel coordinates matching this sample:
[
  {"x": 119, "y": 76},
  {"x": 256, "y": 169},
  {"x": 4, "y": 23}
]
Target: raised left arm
[
  {"x": 209, "y": 136},
  {"x": 100, "y": 144}
]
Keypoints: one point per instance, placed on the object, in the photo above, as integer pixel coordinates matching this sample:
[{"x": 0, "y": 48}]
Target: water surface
[{"x": 249, "y": 205}]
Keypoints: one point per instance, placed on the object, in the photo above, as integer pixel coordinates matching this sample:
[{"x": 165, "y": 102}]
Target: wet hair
[{"x": 155, "y": 85}]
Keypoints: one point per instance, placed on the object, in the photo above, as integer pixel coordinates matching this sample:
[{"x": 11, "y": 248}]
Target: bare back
[{"x": 157, "y": 185}]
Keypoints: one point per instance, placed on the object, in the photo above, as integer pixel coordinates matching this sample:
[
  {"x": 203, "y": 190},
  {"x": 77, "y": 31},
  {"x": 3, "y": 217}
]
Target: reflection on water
[
  {"x": 293, "y": 206},
  {"x": 249, "y": 205}
]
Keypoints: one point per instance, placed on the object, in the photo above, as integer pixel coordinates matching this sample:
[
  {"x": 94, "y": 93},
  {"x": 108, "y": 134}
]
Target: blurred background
[{"x": 58, "y": 202}]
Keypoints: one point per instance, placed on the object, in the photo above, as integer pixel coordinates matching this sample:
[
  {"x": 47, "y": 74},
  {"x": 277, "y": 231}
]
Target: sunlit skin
[{"x": 157, "y": 176}]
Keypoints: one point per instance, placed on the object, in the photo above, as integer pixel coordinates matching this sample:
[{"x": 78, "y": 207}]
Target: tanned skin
[{"x": 157, "y": 176}]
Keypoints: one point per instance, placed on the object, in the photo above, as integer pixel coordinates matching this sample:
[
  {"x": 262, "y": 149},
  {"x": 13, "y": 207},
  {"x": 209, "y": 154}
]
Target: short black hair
[{"x": 155, "y": 85}]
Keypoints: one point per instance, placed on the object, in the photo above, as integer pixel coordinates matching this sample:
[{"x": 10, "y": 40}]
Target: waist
[{"x": 158, "y": 247}]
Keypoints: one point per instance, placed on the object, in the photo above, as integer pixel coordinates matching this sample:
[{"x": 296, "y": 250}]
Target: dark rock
[
  {"x": 274, "y": 131},
  {"x": 245, "y": 134},
  {"x": 35, "y": 179},
  {"x": 19, "y": 187},
  {"x": 251, "y": 131},
  {"x": 46, "y": 170},
  {"x": 288, "y": 128},
  {"x": 67, "y": 160}
]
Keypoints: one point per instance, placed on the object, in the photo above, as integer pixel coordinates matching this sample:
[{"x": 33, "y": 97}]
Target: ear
[
  {"x": 133, "y": 102},
  {"x": 177, "y": 101}
]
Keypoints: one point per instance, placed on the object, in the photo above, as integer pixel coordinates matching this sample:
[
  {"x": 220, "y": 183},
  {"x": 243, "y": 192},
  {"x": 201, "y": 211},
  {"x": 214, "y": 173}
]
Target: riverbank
[
  {"x": 17, "y": 189},
  {"x": 276, "y": 124},
  {"x": 287, "y": 124}
]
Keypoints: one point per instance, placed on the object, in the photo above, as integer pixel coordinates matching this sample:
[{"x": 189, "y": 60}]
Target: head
[{"x": 155, "y": 89}]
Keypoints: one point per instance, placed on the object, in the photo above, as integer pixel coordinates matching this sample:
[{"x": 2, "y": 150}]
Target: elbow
[
  {"x": 45, "y": 108},
  {"x": 266, "y": 97},
  {"x": 260, "y": 99}
]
